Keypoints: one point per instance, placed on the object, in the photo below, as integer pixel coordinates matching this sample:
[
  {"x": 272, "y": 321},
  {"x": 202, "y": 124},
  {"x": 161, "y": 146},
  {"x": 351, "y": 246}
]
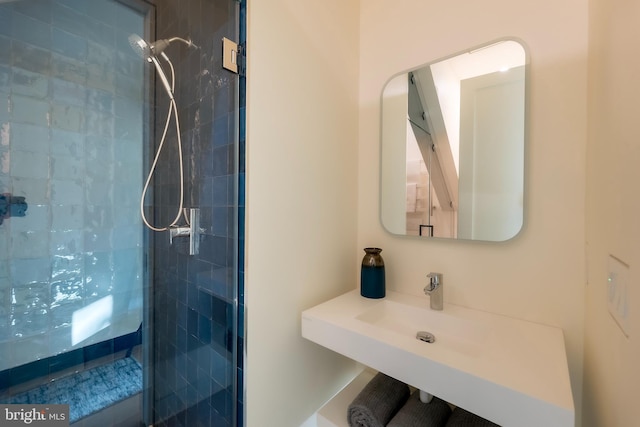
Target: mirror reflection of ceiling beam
[{"x": 430, "y": 131}]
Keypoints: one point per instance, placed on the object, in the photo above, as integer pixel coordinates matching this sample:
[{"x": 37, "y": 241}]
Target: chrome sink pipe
[{"x": 435, "y": 290}]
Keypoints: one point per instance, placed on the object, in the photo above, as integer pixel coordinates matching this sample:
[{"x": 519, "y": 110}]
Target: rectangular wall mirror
[{"x": 453, "y": 137}]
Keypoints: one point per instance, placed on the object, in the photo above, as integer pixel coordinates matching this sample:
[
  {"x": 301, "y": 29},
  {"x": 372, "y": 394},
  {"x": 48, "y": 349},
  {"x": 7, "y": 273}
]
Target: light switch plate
[{"x": 618, "y": 293}]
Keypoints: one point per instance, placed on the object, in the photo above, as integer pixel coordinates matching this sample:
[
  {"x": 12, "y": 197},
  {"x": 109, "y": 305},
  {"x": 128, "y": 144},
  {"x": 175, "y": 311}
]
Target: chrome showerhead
[
  {"x": 140, "y": 47},
  {"x": 146, "y": 50}
]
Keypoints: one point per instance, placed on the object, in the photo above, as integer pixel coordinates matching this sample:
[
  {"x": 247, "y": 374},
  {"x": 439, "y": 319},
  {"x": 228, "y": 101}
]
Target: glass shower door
[
  {"x": 71, "y": 241},
  {"x": 195, "y": 297}
]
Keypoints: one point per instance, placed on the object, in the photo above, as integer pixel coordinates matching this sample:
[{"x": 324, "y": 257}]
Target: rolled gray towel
[
  {"x": 461, "y": 418},
  {"x": 414, "y": 413},
  {"x": 378, "y": 402}
]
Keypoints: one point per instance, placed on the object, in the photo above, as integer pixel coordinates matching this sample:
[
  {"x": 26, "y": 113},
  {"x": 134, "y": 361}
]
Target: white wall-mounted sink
[
  {"x": 453, "y": 333},
  {"x": 506, "y": 370}
]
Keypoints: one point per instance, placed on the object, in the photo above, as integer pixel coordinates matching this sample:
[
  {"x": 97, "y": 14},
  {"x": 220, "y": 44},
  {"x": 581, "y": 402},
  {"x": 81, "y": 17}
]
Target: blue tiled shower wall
[
  {"x": 195, "y": 298},
  {"x": 71, "y": 121}
]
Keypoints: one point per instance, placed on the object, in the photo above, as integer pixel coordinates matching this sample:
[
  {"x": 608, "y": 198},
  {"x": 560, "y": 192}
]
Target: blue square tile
[
  {"x": 192, "y": 322},
  {"x": 204, "y": 329},
  {"x": 29, "y": 164},
  {"x": 78, "y": 5},
  {"x": 221, "y": 402},
  {"x": 6, "y": 19},
  {"x": 220, "y": 368},
  {"x": 204, "y": 356},
  {"x": 100, "y": 124},
  {"x": 104, "y": 11},
  {"x": 29, "y": 270},
  {"x": 102, "y": 54},
  {"x": 219, "y": 310},
  {"x": 192, "y": 411},
  {"x": 36, "y": 9},
  {"x": 129, "y": 20},
  {"x": 218, "y": 420},
  {"x": 69, "y": 93},
  {"x": 66, "y": 360},
  {"x": 182, "y": 312},
  {"x": 31, "y": 30},
  {"x": 67, "y": 143},
  {"x": 204, "y": 304},
  {"x": 5, "y": 50},
  {"x": 214, "y": 250},
  {"x": 5, "y": 114},
  {"x": 29, "y": 371},
  {"x": 96, "y": 351},
  {"x": 102, "y": 101},
  {"x": 223, "y": 100},
  {"x": 181, "y": 295},
  {"x": 220, "y": 190},
  {"x": 28, "y": 57},
  {"x": 67, "y": 192},
  {"x": 29, "y": 137},
  {"x": 125, "y": 342},
  {"x": 204, "y": 413},
  {"x": 64, "y": 167},
  {"x": 126, "y": 86},
  {"x": 220, "y": 131},
  {"x": 29, "y": 84},
  {"x": 124, "y": 107},
  {"x": 68, "y": 69},
  {"x": 219, "y": 334},
  {"x": 181, "y": 340},
  {"x": 30, "y": 110},
  {"x": 192, "y": 296},
  {"x": 69, "y": 18},
  {"x": 68, "y": 44},
  {"x": 192, "y": 369},
  {"x": 220, "y": 221},
  {"x": 5, "y": 376},
  {"x": 203, "y": 384}
]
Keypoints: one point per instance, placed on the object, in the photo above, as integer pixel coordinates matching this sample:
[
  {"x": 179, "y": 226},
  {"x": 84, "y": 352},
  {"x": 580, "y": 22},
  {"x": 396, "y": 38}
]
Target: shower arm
[
  {"x": 158, "y": 47},
  {"x": 188, "y": 42}
]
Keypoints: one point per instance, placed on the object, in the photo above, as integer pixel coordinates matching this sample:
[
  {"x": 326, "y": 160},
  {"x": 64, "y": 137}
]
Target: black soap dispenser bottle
[{"x": 372, "y": 283}]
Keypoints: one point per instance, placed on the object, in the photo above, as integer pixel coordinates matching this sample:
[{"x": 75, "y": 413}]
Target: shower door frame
[{"x": 148, "y": 10}]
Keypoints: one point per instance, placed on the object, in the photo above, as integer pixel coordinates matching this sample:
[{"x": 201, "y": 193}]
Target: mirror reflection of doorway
[{"x": 453, "y": 135}]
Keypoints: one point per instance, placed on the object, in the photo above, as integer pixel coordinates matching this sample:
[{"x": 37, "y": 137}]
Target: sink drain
[{"x": 426, "y": 336}]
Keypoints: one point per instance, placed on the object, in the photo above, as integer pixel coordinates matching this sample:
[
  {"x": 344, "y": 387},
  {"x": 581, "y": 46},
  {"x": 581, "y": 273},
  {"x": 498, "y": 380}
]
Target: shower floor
[{"x": 89, "y": 391}]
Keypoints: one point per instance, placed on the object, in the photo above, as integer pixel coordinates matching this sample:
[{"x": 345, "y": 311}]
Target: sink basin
[
  {"x": 507, "y": 370},
  {"x": 451, "y": 332}
]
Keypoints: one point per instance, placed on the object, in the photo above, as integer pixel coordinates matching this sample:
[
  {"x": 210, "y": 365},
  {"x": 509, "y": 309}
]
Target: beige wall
[
  {"x": 302, "y": 114},
  {"x": 310, "y": 132},
  {"x": 540, "y": 275},
  {"x": 612, "y": 372}
]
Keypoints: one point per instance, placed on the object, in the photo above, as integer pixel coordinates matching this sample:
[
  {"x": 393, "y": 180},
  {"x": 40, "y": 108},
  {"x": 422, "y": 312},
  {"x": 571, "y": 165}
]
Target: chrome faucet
[{"x": 434, "y": 290}]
